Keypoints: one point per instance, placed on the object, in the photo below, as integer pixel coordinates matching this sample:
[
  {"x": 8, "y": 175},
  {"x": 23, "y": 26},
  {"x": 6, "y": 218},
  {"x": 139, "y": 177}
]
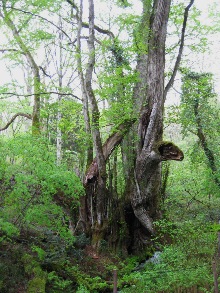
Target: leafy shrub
[
  {"x": 34, "y": 190},
  {"x": 184, "y": 263}
]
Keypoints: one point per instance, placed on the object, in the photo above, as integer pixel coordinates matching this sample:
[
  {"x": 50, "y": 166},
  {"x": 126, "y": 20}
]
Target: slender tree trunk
[
  {"x": 202, "y": 138},
  {"x": 86, "y": 202},
  {"x": 83, "y": 88},
  {"x": 93, "y": 205},
  {"x": 59, "y": 132},
  {"x": 59, "y": 97},
  {"x": 29, "y": 88},
  {"x": 34, "y": 67}
]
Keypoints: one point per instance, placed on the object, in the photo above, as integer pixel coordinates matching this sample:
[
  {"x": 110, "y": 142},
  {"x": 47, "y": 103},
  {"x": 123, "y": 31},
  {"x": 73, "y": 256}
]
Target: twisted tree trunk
[
  {"x": 142, "y": 202},
  {"x": 151, "y": 150}
]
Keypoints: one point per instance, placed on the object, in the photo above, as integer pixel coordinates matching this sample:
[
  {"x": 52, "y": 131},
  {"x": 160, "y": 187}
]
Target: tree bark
[
  {"x": 108, "y": 147},
  {"x": 110, "y": 205},
  {"x": 145, "y": 188},
  {"x": 59, "y": 97},
  {"x": 83, "y": 87},
  {"x": 96, "y": 194},
  {"x": 144, "y": 183},
  {"x": 147, "y": 172}
]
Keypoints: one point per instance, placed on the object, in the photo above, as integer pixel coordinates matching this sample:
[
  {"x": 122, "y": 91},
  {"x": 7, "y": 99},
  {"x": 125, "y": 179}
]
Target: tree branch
[
  {"x": 44, "y": 72},
  {"x": 73, "y": 5},
  {"x": 13, "y": 118},
  {"x": 86, "y": 25},
  {"x": 11, "y": 50},
  {"x": 41, "y": 93},
  {"x": 179, "y": 56},
  {"x": 41, "y": 17},
  {"x": 108, "y": 147},
  {"x": 95, "y": 113},
  {"x": 100, "y": 30}
]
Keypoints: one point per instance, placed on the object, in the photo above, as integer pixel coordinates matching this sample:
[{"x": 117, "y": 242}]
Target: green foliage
[
  {"x": 41, "y": 4},
  {"x": 195, "y": 168},
  {"x": 35, "y": 194},
  {"x": 36, "y": 285},
  {"x": 123, "y": 3},
  {"x": 58, "y": 283},
  {"x": 74, "y": 138},
  {"x": 39, "y": 199},
  {"x": 184, "y": 263},
  {"x": 82, "y": 289},
  {"x": 116, "y": 88},
  {"x": 40, "y": 252},
  {"x": 31, "y": 180},
  {"x": 191, "y": 198},
  {"x": 37, "y": 282},
  {"x": 86, "y": 282},
  {"x": 41, "y": 35},
  {"x": 196, "y": 38},
  {"x": 198, "y": 115},
  {"x": 214, "y": 14},
  {"x": 12, "y": 270},
  {"x": 201, "y": 108},
  {"x": 197, "y": 91},
  {"x": 8, "y": 229}
]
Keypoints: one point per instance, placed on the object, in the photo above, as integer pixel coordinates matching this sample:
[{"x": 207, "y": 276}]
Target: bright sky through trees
[{"x": 208, "y": 61}]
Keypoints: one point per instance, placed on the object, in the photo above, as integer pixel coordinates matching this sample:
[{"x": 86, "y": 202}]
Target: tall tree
[
  {"x": 5, "y": 14},
  {"x": 151, "y": 151},
  {"x": 198, "y": 106},
  {"x": 103, "y": 213},
  {"x": 145, "y": 178}
]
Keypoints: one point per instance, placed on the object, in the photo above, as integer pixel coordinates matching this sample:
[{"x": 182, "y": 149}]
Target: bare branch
[
  {"x": 86, "y": 25},
  {"x": 178, "y": 59},
  {"x": 11, "y": 50},
  {"x": 9, "y": 95},
  {"x": 100, "y": 30},
  {"x": 29, "y": 116},
  {"x": 73, "y": 5},
  {"x": 44, "y": 72}
]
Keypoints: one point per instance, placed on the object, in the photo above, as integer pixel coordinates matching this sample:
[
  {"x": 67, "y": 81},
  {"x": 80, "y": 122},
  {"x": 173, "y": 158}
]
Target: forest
[{"x": 109, "y": 141}]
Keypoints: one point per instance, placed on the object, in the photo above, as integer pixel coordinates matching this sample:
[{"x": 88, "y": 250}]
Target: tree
[
  {"x": 103, "y": 95},
  {"x": 145, "y": 196},
  {"x": 6, "y": 16},
  {"x": 198, "y": 107},
  {"x": 145, "y": 178},
  {"x": 139, "y": 123}
]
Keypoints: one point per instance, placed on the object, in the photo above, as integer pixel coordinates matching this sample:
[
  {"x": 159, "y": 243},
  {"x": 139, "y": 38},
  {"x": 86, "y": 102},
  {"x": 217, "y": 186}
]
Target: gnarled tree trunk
[
  {"x": 147, "y": 171},
  {"x": 141, "y": 204}
]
